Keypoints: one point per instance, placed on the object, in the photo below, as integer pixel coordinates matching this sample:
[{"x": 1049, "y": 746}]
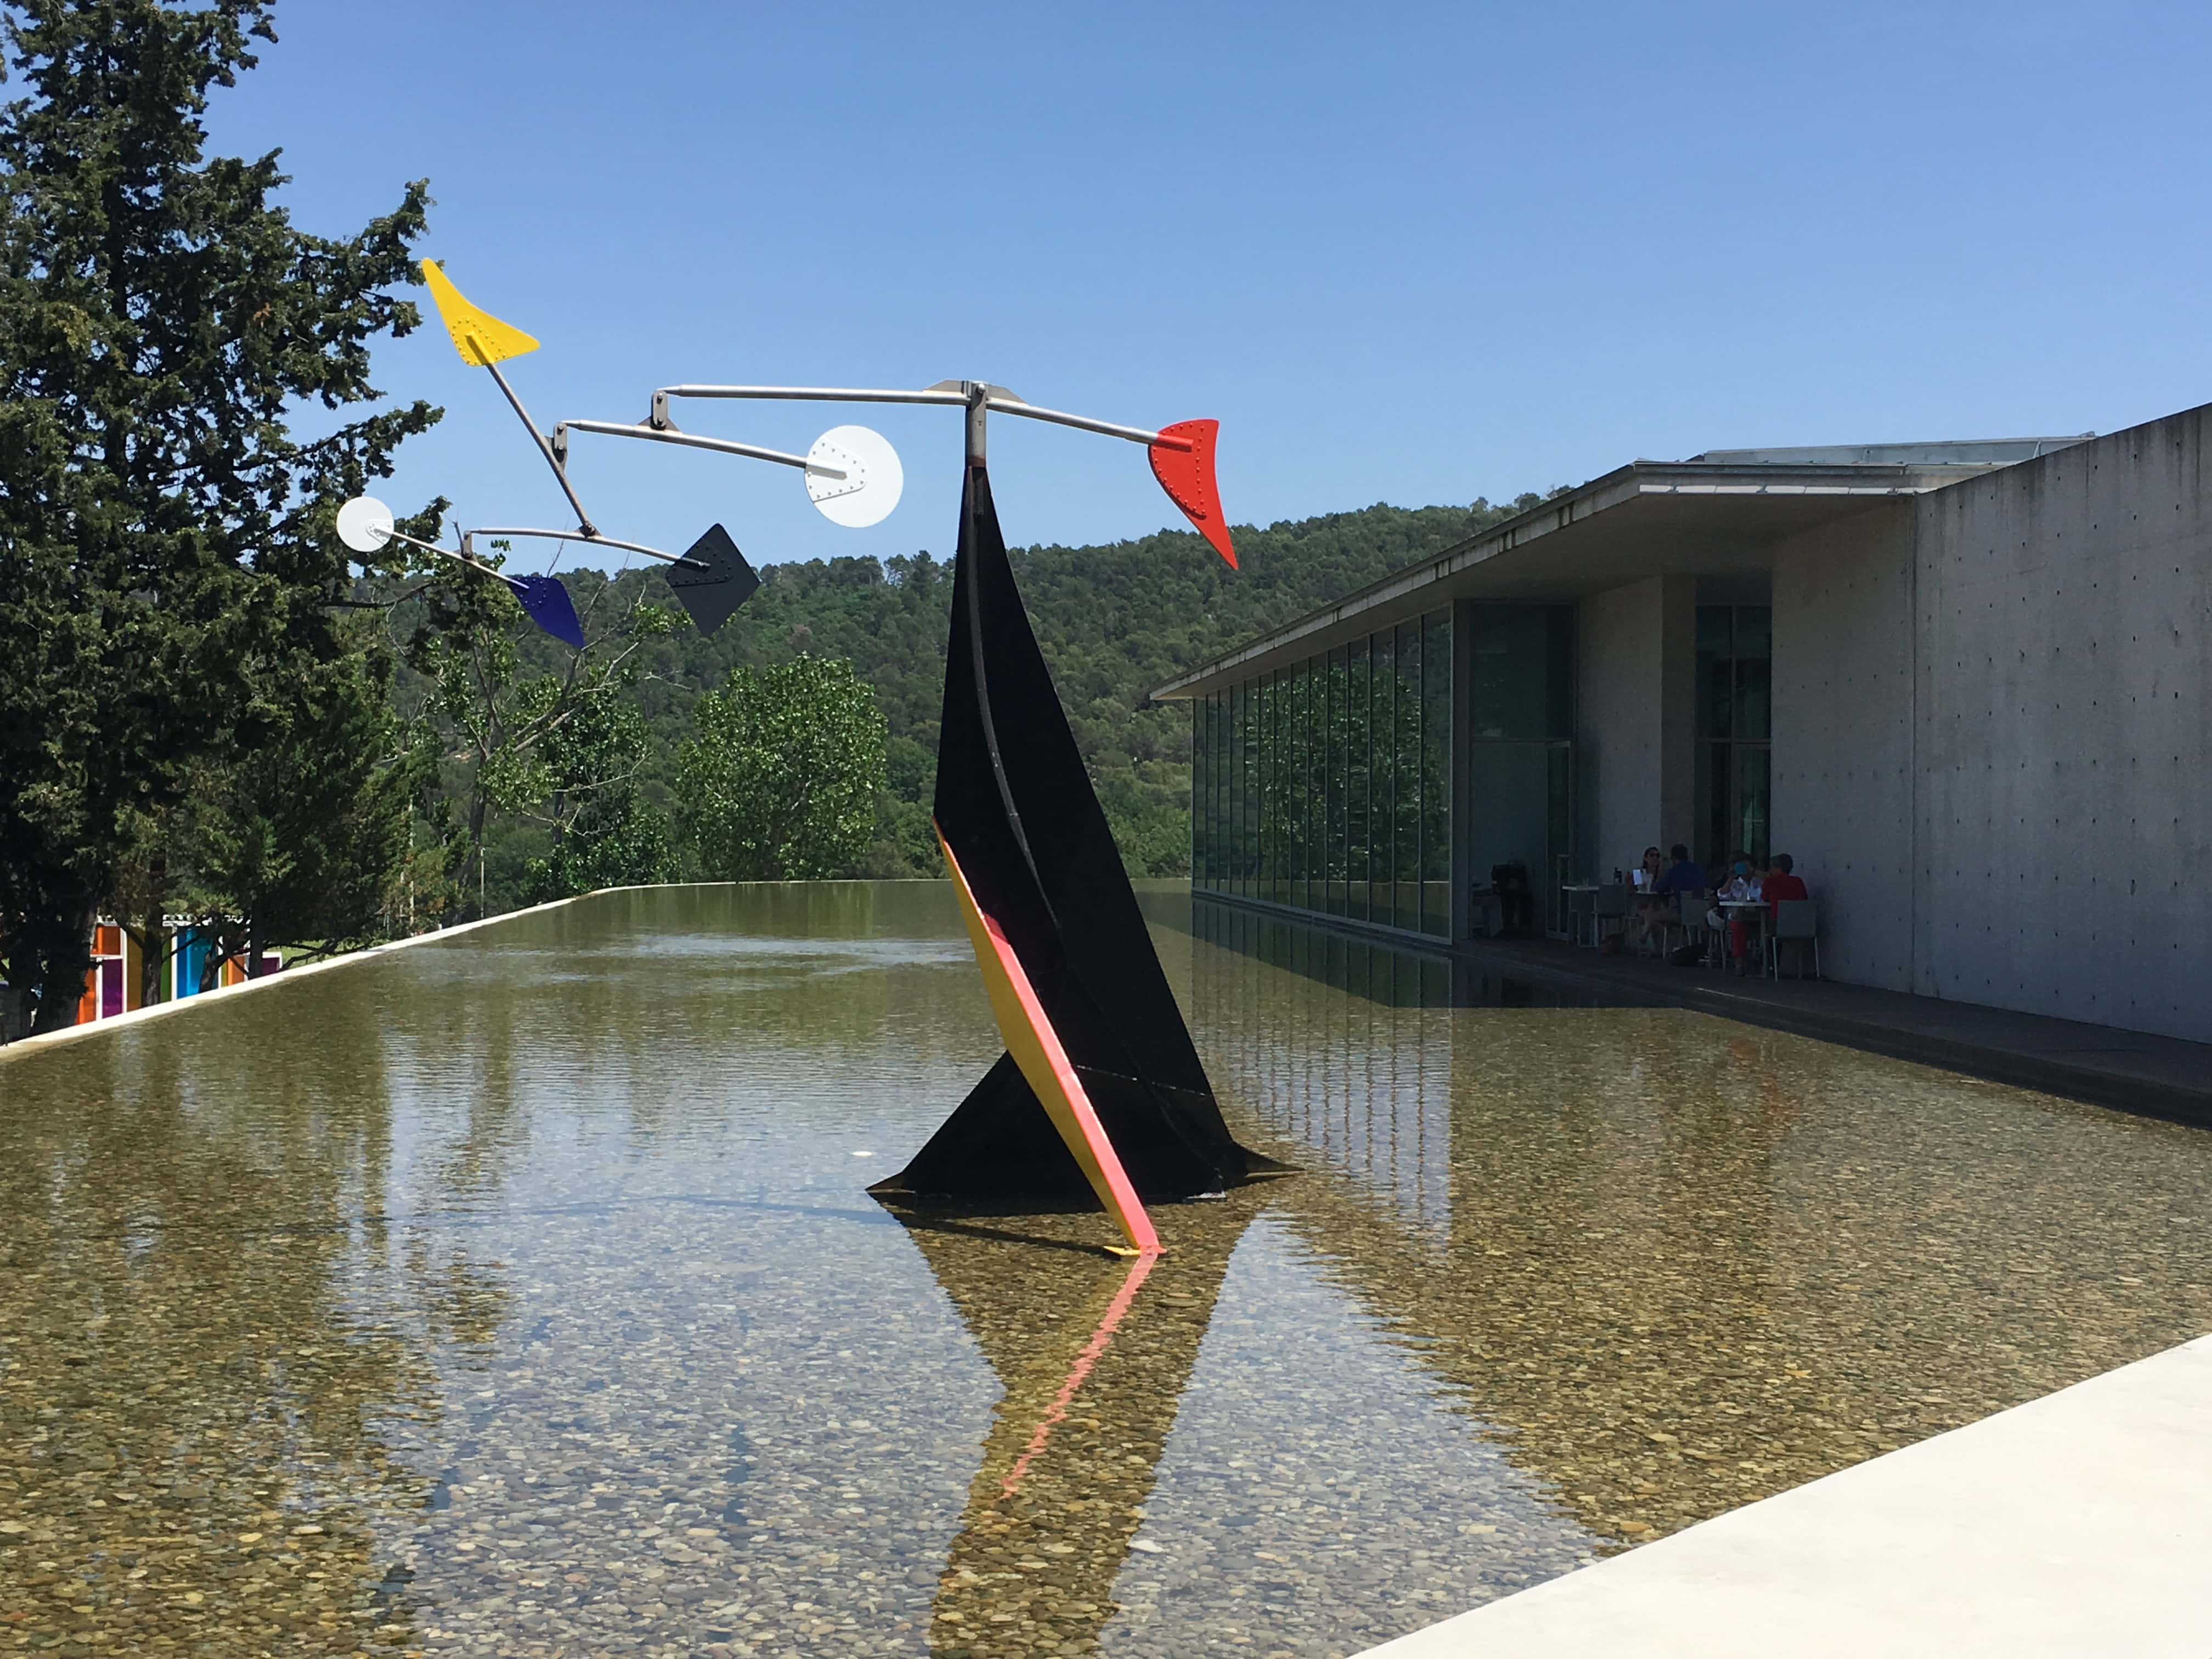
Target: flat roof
[
  {"x": 1712, "y": 517},
  {"x": 1988, "y": 452}
]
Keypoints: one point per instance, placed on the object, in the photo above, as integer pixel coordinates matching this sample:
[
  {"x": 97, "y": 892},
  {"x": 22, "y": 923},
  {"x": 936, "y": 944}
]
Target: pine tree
[{"x": 167, "y": 564}]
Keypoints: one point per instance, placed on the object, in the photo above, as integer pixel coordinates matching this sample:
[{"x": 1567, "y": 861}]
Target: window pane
[
  {"x": 1713, "y": 636},
  {"x": 1333, "y": 803},
  {"x": 1435, "y": 773},
  {"x": 1560, "y": 673},
  {"x": 1720, "y": 832},
  {"x": 1201, "y": 721},
  {"x": 1255, "y": 789},
  {"x": 1754, "y": 649},
  {"x": 1271, "y": 784},
  {"x": 1219, "y": 786},
  {"x": 1279, "y": 776},
  {"x": 1716, "y": 701},
  {"x": 1249, "y": 879},
  {"x": 1359, "y": 777},
  {"x": 1287, "y": 784},
  {"x": 1509, "y": 699},
  {"x": 1407, "y": 862},
  {"x": 1288, "y": 691},
  {"x": 1232, "y": 790},
  {"x": 1751, "y": 786},
  {"x": 1559, "y": 828},
  {"x": 1382, "y": 760},
  {"x": 1309, "y": 785}
]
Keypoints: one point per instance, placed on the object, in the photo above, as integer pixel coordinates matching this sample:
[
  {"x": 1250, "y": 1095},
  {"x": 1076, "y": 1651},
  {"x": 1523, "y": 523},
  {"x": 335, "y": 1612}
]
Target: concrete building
[{"x": 1968, "y": 686}]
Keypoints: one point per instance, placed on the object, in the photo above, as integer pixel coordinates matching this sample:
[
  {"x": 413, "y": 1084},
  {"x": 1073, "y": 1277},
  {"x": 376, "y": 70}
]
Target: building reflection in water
[{"x": 1679, "y": 1263}]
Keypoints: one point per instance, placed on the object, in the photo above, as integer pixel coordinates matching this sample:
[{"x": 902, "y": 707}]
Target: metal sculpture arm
[
  {"x": 364, "y": 526},
  {"x": 468, "y": 543},
  {"x": 484, "y": 340},
  {"x": 1181, "y": 454},
  {"x": 715, "y": 579}
]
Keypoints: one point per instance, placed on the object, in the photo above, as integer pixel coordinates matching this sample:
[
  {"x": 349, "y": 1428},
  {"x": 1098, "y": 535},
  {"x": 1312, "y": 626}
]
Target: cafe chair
[
  {"x": 1794, "y": 920},
  {"x": 1608, "y": 904}
]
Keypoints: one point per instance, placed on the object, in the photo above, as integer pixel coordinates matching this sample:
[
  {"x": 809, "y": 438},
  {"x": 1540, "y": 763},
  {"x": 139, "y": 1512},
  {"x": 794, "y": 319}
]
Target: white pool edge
[
  {"x": 2074, "y": 1524},
  {"x": 285, "y": 976}
]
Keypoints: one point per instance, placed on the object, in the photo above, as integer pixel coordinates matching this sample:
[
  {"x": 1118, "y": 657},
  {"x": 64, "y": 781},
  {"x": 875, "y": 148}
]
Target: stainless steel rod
[
  {"x": 594, "y": 539},
  {"x": 560, "y": 472},
  {"x": 1135, "y": 434},
  {"x": 823, "y": 394},
  {"x": 447, "y": 553},
  {"x": 949, "y": 399},
  {"x": 691, "y": 441}
]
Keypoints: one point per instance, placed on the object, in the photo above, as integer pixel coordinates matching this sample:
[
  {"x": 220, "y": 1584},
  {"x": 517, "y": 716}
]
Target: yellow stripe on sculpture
[
  {"x": 479, "y": 336},
  {"x": 1030, "y": 1038}
]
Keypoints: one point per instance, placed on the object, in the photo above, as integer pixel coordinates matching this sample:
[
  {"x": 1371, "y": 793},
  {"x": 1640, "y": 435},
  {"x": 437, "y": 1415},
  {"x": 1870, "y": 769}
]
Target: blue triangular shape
[{"x": 550, "y": 607}]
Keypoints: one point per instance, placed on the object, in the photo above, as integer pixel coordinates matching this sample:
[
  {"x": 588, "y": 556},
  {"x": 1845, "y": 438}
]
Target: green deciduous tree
[
  {"x": 781, "y": 783},
  {"x": 164, "y": 537},
  {"x": 605, "y": 833},
  {"x": 561, "y": 750}
]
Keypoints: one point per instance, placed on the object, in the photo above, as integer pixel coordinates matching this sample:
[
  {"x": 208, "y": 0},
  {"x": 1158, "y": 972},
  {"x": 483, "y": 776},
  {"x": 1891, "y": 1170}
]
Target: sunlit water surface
[{"x": 519, "y": 1293}]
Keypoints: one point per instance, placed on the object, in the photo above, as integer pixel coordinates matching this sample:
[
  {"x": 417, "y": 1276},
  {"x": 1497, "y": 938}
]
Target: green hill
[{"x": 1114, "y": 621}]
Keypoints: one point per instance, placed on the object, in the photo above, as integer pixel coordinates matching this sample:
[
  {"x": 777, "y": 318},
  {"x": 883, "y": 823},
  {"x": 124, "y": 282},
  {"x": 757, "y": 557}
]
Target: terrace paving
[{"x": 2072, "y": 1525}]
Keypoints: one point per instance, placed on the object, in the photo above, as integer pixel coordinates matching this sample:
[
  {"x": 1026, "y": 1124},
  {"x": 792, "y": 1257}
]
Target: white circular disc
[
  {"x": 873, "y": 482},
  {"x": 364, "y": 524}
]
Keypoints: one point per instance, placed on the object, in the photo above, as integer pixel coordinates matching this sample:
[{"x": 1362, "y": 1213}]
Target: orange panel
[{"x": 1035, "y": 1047}]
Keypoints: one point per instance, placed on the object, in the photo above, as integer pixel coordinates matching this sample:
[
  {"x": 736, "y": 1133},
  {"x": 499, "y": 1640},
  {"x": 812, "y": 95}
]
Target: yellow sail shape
[{"x": 479, "y": 336}]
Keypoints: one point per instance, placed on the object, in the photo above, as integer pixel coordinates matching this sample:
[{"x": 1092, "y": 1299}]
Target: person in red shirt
[
  {"x": 1781, "y": 884},
  {"x": 1778, "y": 884}
]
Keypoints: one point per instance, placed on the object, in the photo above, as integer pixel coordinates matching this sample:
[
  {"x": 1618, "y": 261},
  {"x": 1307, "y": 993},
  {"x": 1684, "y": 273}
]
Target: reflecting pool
[{"x": 519, "y": 1293}]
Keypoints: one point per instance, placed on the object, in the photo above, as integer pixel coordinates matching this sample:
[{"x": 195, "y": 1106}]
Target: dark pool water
[{"x": 519, "y": 1293}]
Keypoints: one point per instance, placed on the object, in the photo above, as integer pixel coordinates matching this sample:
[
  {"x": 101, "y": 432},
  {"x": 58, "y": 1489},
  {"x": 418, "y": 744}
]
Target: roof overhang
[{"x": 1647, "y": 518}]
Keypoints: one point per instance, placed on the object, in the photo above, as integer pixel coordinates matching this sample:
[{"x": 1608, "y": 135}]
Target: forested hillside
[{"x": 1114, "y": 622}]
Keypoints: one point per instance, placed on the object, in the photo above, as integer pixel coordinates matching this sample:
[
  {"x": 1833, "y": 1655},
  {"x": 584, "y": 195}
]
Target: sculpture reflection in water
[{"x": 1094, "y": 1358}]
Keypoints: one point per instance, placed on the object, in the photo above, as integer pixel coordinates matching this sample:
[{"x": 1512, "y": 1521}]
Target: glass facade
[
  {"x": 1328, "y": 785},
  {"x": 1521, "y": 751},
  {"x": 1735, "y": 652}
]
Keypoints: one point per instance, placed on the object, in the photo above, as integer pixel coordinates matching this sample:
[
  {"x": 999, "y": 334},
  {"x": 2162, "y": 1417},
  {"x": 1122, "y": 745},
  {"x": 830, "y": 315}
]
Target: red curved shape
[{"x": 1187, "y": 477}]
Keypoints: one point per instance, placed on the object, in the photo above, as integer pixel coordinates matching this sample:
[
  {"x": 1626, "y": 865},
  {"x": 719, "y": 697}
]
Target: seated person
[
  {"x": 1782, "y": 883},
  {"x": 1643, "y": 884},
  {"x": 1682, "y": 876},
  {"x": 1742, "y": 885}
]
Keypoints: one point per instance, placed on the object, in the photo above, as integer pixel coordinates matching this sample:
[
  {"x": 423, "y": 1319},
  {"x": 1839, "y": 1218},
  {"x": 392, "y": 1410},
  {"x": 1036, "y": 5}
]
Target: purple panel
[
  {"x": 550, "y": 608},
  {"x": 111, "y": 987}
]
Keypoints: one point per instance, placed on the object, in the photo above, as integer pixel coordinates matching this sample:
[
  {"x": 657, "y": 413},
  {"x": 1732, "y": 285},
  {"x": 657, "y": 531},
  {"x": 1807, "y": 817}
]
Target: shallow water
[{"x": 518, "y": 1293}]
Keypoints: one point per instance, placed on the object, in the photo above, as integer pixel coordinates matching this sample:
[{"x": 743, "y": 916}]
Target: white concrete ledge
[
  {"x": 2076, "y": 1524},
  {"x": 176, "y": 1005}
]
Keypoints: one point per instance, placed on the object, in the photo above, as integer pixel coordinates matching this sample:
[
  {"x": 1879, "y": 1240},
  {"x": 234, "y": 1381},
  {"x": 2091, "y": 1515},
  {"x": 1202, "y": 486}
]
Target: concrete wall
[
  {"x": 1993, "y": 734},
  {"x": 2064, "y": 733},
  {"x": 1842, "y": 756},
  {"x": 1636, "y": 667}
]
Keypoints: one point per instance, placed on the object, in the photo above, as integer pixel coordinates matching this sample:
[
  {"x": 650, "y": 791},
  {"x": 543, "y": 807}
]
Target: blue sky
[{"x": 1413, "y": 253}]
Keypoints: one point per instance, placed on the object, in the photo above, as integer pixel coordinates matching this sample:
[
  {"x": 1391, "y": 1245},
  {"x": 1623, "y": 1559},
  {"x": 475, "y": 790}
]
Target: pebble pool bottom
[{"x": 519, "y": 1294}]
